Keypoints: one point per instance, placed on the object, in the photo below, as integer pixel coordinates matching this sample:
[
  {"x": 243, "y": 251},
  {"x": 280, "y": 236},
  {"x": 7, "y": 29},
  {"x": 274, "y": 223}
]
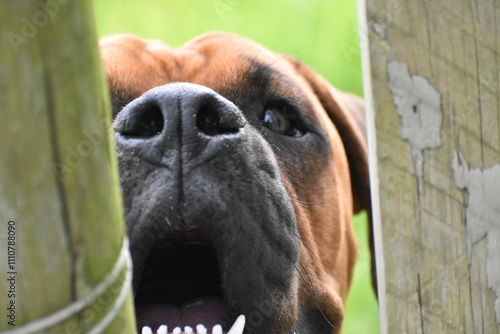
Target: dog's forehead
[{"x": 218, "y": 60}]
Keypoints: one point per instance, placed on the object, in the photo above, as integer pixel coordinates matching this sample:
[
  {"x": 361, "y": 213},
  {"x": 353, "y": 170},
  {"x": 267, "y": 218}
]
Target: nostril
[
  {"x": 213, "y": 122},
  {"x": 144, "y": 122}
]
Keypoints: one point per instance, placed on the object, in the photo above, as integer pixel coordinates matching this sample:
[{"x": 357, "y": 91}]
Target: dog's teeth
[
  {"x": 200, "y": 329},
  {"x": 217, "y": 329},
  {"x": 238, "y": 326},
  {"x": 162, "y": 330},
  {"x": 188, "y": 330},
  {"x": 177, "y": 330},
  {"x": 147, "y": 330}
]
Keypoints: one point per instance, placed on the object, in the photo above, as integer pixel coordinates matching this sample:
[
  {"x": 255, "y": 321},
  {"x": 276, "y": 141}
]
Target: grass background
[{"x": 322, "y": 34}]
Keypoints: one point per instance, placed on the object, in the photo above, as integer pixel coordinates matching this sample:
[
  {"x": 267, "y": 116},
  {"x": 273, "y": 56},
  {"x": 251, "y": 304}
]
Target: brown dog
[{"x": 240, "y": 171}]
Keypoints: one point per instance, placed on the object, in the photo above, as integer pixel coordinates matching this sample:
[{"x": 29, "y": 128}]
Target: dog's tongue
[{"x": 209, "y": 311}]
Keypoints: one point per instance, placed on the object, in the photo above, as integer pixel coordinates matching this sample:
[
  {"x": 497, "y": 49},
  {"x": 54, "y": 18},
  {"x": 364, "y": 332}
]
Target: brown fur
[{"x": 218, "y": 61}]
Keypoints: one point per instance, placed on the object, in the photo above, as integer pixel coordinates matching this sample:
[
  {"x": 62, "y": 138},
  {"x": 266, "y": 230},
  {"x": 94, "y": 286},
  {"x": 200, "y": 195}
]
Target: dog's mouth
[{"x": 180, "y": 288}]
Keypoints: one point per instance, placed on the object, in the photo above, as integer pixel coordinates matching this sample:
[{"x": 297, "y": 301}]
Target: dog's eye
[{"x": 281, "y": 120}]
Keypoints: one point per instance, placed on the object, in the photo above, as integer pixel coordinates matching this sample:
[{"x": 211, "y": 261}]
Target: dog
[{"x": 240, "y": 171}]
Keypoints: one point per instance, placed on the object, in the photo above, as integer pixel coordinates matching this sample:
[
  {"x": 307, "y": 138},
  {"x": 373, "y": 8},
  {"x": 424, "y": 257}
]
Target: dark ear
[{"x": 347, "y": 113}]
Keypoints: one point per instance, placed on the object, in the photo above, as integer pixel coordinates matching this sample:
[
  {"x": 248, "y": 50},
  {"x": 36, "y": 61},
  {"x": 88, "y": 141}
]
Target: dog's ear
[{"x": 347, "y": 113}]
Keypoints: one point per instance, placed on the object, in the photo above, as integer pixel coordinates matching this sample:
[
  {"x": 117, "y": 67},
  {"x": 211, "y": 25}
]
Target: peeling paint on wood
[
  {"x": 419, "y": 108},
  {"x": 432, "y": 281},
  {"x": 482, "y": 215}
]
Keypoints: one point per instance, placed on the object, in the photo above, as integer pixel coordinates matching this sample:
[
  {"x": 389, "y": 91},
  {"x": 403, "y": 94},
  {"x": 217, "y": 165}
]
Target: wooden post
[
  {"x": 63, "y": 256},
  {"x": 432, "y": 88}
]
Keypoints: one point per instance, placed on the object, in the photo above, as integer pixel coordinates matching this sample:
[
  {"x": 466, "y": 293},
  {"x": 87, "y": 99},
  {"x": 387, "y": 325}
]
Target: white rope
[
  {"x": 77, "y": 306},
  {"x": 120, "y": 300}
]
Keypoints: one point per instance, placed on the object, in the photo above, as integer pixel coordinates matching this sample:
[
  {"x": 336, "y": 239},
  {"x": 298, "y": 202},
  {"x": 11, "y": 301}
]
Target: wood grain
[
  {"x": 58, "y": 176},
  {"x": 437, "y": 246}
]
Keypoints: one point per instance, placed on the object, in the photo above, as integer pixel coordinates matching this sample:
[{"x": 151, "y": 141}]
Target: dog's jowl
[{"x": 240, "y": 172}]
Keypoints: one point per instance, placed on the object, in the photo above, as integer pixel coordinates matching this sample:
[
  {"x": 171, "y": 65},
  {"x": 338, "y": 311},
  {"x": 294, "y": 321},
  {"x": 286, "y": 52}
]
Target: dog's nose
[{"x": 176, "y": 115}]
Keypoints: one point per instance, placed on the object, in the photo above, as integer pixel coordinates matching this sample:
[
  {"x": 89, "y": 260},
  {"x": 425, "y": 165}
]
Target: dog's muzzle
[{"x": 211, "y": 226}]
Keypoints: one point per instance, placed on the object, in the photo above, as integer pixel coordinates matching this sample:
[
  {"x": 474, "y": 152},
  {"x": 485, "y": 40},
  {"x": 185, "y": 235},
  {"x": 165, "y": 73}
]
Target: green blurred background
[{"x": 322, "y": 34}]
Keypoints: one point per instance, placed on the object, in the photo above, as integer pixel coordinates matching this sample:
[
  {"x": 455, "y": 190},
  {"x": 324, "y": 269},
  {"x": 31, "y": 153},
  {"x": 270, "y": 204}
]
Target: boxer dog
[{"x": 240, "y": 171}]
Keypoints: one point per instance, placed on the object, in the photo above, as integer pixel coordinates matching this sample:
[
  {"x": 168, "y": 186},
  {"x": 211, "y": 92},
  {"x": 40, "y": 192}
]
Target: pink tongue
[
  {"x": 209, "y": 311},
  {"x": 156, "y": 315}
]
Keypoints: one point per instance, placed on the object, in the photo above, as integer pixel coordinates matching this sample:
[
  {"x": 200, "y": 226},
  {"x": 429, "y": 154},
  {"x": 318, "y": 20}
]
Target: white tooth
[
  {"x": 198, "y": 303},
  {"x": 188, "y": 330},
  {"x": 146, "y": 330},
  {"x": 238, "y": 326},
  {"x": 200, "y": 329},
  {"x": 177, "y": 330},
  {"x": 217, "y": 329},
  {"x": 162, "y": 330}
]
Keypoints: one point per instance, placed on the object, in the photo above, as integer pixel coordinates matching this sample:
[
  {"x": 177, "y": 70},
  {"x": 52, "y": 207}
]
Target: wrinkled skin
[{"x": 204, "y": 158}]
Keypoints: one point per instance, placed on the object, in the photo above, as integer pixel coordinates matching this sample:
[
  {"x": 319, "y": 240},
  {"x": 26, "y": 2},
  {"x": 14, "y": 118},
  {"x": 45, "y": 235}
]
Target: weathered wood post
[
  {"x": 432, "y": 86},
  {"x": 64, "y": 261}
]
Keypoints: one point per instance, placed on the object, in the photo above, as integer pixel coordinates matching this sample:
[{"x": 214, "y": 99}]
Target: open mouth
[{"x": 180, "y": 288}]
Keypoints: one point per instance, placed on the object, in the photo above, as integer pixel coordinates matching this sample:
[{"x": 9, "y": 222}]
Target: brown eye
[{"x": 278, "y": 119}]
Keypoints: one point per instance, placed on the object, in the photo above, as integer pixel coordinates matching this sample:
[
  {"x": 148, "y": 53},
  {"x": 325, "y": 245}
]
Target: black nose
[{"x": 174, "y": 115}]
